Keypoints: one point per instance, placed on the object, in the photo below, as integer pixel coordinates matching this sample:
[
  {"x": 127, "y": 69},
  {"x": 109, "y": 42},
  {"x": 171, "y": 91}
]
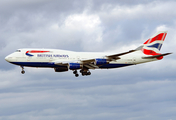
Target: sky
[{"x": 145, "y": 91}]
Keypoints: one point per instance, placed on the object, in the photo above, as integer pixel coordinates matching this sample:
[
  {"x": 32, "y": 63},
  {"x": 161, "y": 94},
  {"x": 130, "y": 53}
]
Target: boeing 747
[{"x": 63, "y": 60}]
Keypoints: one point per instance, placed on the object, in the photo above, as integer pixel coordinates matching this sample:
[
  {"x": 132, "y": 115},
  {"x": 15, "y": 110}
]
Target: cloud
[
  {"x": 141, "y": 100},
  {"x": 137, "y": 92}
]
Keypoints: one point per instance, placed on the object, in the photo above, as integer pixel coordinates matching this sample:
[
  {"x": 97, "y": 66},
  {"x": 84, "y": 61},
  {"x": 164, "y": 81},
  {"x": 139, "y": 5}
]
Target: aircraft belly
[
  {"x": 106, "y": 66},
  {"x": 36, "y": 64}
]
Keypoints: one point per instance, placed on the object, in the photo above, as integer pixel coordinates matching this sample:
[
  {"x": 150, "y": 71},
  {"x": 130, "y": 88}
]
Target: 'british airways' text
[{"x": 50, "y": 55}]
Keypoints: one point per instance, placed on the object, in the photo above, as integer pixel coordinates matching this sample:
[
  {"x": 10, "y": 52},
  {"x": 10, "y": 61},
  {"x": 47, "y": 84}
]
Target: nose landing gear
[{"x": 22, "y": 72}]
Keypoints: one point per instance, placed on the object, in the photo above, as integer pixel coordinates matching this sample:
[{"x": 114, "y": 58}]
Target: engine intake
[
  {"x": 74, "y": 66},
  {"x": 100, "y": 61}
]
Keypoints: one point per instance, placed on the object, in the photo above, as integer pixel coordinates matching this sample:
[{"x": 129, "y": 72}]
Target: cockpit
[{"x": 18, "y": 51}]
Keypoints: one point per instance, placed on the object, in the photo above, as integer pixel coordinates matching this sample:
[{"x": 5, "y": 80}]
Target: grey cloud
[
  {"x": 131, "y": 92},
  {"x": 138, "y": 92},
  {"x": 94, "y": 102}
]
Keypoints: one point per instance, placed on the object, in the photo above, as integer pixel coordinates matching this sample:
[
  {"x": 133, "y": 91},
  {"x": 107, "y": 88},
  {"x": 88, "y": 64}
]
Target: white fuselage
[{"x": 53, "y": 57}]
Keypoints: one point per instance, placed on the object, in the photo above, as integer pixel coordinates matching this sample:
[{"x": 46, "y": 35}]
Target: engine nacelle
[
  {"x": 100, "y": 61},
  {"x": 61, "y": 69},
  {"x": 74, "y": 66}
]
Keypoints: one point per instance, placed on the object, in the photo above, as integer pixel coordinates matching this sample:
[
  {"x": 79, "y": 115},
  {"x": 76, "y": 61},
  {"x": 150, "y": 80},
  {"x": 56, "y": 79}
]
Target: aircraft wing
[
  {"x": 65, "y": 63},
  {"x": 89, "y": 63},
  {"x": 109, "y": 57},
  {"x": 116, "y": 56}
]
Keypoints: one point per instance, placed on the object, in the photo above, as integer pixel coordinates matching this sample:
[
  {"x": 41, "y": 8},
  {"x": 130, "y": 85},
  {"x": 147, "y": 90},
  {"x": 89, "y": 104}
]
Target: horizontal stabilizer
[{"x": 156, "y": 56}]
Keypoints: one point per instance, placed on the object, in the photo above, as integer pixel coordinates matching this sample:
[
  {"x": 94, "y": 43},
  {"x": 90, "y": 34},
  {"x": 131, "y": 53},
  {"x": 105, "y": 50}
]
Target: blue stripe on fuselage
[
  {"x": 114, "y": 65},
  {"x": 29, "y": 54},
  {"x": 36, "y": 64},
  {"x": 52, "y": 65}
]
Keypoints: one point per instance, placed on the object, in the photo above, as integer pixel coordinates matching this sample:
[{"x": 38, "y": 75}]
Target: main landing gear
[
  {"x": 76, "y": 73},
  {"x": 84, "y": 72},
  {"x": 22, "y": 72}
]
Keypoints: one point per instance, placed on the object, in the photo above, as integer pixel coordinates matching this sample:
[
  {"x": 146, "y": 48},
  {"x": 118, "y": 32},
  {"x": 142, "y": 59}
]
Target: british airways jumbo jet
[{"x": 63, "y": 60}]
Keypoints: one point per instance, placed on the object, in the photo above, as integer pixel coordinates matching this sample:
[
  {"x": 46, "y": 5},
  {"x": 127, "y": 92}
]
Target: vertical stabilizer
[
  {"x": 155, "y": 42},
  {"x": 153, "y": 45}
]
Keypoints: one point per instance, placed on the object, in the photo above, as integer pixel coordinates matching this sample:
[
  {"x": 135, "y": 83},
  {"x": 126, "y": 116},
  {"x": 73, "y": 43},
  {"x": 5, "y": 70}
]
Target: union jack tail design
[{"x": 153, "y": 45}]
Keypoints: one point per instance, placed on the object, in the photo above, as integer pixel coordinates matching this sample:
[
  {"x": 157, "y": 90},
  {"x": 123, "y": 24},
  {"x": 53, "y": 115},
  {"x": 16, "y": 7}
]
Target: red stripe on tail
[
  {"x": 159, "y": 37},
  {"x": 151, "y": 52}
]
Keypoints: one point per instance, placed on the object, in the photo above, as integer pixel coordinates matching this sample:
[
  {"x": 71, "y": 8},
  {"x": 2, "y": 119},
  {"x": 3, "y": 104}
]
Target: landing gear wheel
[
  {"x": 88, "y": 73},
  {"x": 85, "y": 72},
  {"x": 22, "y": 71},
  {"x": 76, "y": 75},
  {"x": 75, "y": 72}
]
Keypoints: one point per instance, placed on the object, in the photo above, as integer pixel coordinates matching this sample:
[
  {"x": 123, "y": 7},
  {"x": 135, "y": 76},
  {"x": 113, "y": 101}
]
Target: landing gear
[
  {"x": 76, "y": 73},
  {"x": 85, "y": 72},
  {"x": 88, "y": 73},
  {"x": 82, "y": 71},
  {"x": 22, "y": 72}
]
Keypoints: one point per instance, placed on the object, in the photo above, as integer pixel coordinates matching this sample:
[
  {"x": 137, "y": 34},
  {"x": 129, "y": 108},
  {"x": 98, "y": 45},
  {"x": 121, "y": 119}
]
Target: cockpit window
[{"x": 18, "y": 50}]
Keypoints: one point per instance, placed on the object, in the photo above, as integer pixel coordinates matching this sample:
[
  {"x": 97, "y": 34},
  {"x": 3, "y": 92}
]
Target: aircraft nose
[{"x": 7, "y": 58}]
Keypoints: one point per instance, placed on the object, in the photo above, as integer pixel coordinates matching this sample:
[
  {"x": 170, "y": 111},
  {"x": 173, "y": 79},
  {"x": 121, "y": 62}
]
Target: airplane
[{"x": 63, "y": 60}]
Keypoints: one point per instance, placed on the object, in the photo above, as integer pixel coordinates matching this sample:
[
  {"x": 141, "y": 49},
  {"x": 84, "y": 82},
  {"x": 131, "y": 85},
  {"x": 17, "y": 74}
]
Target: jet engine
[
  {"x": 100, "y": 61},
  {"x": 74, "y": 66}
]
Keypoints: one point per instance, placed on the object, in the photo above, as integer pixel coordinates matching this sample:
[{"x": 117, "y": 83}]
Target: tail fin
[{"x": 153, "y": 45}]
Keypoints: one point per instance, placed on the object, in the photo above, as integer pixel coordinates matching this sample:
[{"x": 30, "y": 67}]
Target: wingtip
[{"x": 170, "y": 53}]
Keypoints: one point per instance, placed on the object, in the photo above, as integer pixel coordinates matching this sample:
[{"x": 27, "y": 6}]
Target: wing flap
[
  {"x": 87, "y": 61},
  {"x": 89, "y": 67}
]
